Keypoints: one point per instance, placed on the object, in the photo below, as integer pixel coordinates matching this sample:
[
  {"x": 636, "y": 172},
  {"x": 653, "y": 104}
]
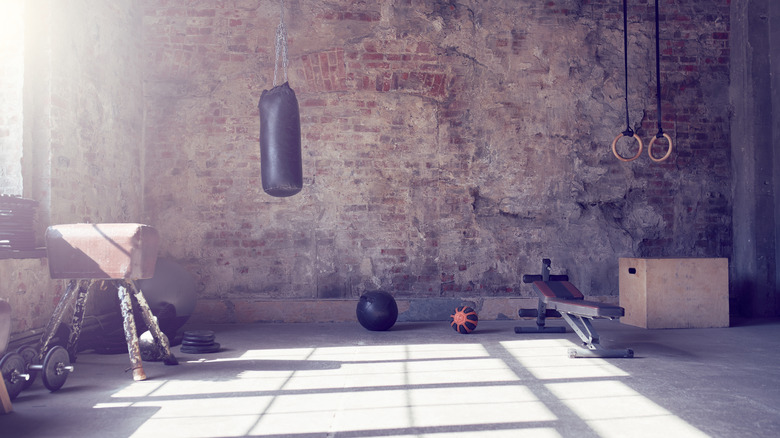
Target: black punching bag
[{"x": 280, "y": 142}]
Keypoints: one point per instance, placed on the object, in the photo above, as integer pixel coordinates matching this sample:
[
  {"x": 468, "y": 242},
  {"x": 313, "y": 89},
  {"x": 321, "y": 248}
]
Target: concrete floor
[{"x": 423, "y": 379}]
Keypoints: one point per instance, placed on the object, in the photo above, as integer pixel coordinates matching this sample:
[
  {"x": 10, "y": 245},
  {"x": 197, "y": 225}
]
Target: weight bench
[{"x": 559, "y": 298}]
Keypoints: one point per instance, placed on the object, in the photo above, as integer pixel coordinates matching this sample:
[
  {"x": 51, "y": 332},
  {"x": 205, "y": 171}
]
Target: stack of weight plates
[
  {"x": 16, "y": 223},
  {"x": 199, "y": 341}
]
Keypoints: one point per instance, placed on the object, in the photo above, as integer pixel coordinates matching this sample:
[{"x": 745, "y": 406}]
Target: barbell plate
[
  {"x": 12, "y": 367},
  {"x": 213, "y": 348},
  {"x": 30, "y": 356},
  {"x": 196, "y": 343},
  {"x": 54, "y": 373},
  {"x": 199, "y": 335}
]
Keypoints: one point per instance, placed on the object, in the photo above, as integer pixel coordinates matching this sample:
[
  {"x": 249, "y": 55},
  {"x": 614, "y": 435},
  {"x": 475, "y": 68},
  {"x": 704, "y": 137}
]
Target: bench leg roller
[{"x": 600, "y": 352}]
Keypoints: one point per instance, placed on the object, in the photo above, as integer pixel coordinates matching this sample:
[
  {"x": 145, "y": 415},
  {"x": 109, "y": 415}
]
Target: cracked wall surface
[
  {"x": 448, "y": 145},
  {"x": 75, "y": 130}
]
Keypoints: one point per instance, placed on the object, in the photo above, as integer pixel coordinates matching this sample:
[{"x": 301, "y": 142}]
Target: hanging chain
[{"x": 281, "y": 46}]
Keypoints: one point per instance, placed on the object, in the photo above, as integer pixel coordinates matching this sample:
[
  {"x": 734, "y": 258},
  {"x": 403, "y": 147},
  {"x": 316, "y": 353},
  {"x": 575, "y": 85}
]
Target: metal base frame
[
  {"x": 541, "y": 314},
  {"x": 590, "y": 339}
]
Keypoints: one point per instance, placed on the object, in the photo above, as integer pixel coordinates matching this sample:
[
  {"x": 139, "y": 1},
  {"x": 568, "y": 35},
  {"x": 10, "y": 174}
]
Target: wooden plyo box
[{"x": 674, "y": 292}]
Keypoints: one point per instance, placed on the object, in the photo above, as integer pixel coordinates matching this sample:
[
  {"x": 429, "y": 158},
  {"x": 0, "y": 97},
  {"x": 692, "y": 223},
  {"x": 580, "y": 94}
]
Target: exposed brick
[{"x": 436, "y": 162}]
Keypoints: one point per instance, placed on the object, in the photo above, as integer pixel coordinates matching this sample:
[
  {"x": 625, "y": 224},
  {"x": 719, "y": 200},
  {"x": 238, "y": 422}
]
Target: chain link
[{"x": 281, "y": 46}]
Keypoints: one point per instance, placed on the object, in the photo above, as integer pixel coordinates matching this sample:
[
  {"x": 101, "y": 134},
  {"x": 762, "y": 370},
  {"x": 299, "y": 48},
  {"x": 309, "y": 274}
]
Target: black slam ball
[{"x": 377, "y": 310}]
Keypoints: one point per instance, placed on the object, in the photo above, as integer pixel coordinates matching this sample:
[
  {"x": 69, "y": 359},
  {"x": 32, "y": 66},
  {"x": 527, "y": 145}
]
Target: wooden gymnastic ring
[
  {"x": 638, "y": 153},
  {"x": 668, "y": 151}
]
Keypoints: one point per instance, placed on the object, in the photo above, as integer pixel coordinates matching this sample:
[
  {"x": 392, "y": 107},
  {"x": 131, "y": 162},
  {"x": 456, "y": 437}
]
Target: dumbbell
[
  {"x": 16, "y": 372},
  {"x": 12, "y": 367},
  {"x": 30, "y": 356}
]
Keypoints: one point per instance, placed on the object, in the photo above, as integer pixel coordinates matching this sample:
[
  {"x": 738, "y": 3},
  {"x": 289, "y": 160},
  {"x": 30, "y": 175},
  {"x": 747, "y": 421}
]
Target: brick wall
[{"x": 448, "y": 146}]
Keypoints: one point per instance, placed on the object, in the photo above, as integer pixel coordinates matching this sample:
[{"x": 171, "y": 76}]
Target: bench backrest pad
[{"x": 558, "y": 289}]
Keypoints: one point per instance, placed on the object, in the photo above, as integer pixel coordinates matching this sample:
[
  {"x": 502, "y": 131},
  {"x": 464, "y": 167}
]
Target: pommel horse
[
  {"x": 558, "y": 297},
  {"x": 85, "y": 254}
]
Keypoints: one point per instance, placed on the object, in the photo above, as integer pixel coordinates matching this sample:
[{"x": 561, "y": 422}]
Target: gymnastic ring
[
  {"x": 668, "y": 151},
  {"x": 638, "y": 153}
]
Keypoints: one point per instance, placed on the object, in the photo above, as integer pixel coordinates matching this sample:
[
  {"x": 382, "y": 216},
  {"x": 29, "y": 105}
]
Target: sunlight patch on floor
[
  {"x": 612, "y": 408},
  {"x": 242, "y": 382},
  {"x": 329, "y": 412},
  {"x": 432, "y": 390},
  {"x": 377, "y": 410},
  {"x": 548, "y": 359},
  {"x": 385, "y": 353},
  {"x": 531, "y": 432}
]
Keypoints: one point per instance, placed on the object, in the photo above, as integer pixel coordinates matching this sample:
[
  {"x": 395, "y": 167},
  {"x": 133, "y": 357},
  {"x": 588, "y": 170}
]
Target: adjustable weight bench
[{"x": 558, "y": 297}]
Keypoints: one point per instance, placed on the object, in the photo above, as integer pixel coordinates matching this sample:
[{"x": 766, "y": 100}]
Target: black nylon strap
[
  {"x": 658, "y": 69},
  {"x": 628, "y": 132}
]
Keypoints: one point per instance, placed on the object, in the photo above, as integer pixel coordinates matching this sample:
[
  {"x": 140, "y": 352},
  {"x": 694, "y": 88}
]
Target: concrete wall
[
  {"x": 83, "y": 131},
  {"x": 755, "y": 69},
  {"x": 11, "y": 82},
  {"x": 774, "y": 54},
  {"x": 96, "y": 112},
  {"x": 448, "y": 146}
]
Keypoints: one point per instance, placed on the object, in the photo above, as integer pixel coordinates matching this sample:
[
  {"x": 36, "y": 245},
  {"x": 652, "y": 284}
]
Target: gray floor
[{"x": 423, "y": 379}]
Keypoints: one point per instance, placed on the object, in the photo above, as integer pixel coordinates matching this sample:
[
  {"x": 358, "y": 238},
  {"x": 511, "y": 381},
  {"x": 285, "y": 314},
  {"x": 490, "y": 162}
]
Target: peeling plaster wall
[
  {"x": 83, "y": 133},
  {"x": 25, "y": 284},
  {"x": 448, "y": 145},
  {"x": 96, "y": 112},
  {"x": 11, "y": 80}
]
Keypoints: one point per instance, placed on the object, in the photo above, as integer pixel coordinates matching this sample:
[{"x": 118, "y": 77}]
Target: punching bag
[{"x": 280, "y": 142}]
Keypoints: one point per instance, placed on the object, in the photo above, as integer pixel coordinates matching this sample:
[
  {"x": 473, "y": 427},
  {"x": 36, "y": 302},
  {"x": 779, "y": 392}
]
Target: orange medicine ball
[{"x": 464, "y": 320}]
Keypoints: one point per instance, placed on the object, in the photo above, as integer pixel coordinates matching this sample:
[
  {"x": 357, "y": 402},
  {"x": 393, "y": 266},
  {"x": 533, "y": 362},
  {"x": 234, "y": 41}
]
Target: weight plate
[
  {"x": 195, "y": 343},
  {"x": 54, "y": 368},
  {"x": 199, "y": 335},
  {"x": 198, "y": 338},
  {"x": 12, "y": 368},
  {"x": 30, "y": 356},
  {"x": 199, "y": 350}
]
